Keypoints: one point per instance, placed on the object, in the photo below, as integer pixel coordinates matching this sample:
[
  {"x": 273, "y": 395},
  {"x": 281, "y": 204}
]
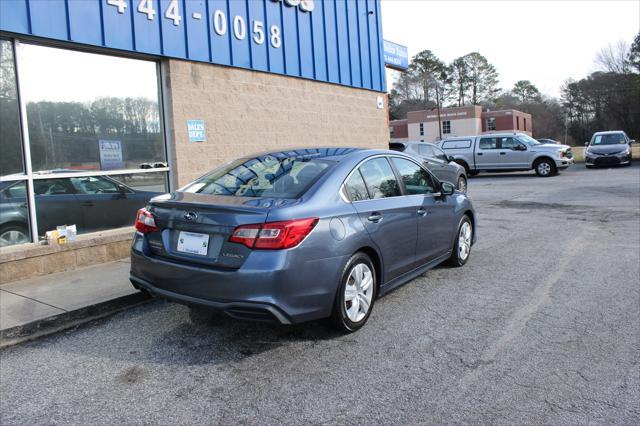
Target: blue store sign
[
  {"x": 396, "y": 56},
  {"x": 197, "y": 132},
  {"x": 338, "y": 41}
]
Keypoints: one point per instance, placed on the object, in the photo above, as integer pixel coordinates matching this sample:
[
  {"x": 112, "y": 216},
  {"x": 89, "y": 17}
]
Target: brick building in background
[{"x": 464, "y": 121}]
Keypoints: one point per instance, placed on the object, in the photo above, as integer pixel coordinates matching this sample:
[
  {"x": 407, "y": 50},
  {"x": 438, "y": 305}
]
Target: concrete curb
[{"x": 40, "y": 328}]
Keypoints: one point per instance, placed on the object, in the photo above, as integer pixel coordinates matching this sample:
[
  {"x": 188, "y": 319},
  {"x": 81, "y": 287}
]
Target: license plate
[{"x": 192, "y": 243}]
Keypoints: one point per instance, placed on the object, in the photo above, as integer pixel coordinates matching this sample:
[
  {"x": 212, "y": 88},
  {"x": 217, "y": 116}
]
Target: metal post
[
  {"x": 26, "y": 146},
  {"x": 438, "y": 108}
]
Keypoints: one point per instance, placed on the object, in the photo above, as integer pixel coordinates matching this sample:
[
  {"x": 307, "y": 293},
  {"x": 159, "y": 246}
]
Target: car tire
[
  {"x": 462, "y": 243},
  {"x": 545, "y": 167},
  {"x": 14, "y": 234},
  {"x": 463, "y": 164},
  {"x": 462, "y": 184},
  {"x": 356, "y": 294}
]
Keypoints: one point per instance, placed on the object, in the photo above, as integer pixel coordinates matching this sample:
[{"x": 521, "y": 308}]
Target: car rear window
[
  {"x": 456, "y": 144},
  {"x": 277, "y": 176},
  {"x": 380, "y": 180}
]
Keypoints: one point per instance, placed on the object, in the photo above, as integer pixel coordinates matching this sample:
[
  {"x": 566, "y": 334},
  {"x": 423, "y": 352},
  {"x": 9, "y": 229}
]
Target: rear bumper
[{"x": 271, "y": 286}]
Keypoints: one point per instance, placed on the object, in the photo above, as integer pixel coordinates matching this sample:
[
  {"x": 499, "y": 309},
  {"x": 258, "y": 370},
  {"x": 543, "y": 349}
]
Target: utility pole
[{"x": 438, "y": 108}]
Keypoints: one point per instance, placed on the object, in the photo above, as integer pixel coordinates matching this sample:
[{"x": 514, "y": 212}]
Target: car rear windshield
[
  {"x": 273, "y": 175},
  {"x": 610, "y": 139},
  {"x": 396, "y": 146}
]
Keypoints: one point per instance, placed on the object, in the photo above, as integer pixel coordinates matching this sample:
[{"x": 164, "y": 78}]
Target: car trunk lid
[{"x": 195, "y": 228}]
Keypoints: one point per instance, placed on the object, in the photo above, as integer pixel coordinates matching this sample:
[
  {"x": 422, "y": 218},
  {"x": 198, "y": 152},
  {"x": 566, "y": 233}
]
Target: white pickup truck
[{"x": 507, "y": 152}]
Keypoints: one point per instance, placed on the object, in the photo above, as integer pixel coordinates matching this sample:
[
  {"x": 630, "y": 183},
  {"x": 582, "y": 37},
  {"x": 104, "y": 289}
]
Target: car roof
[
  {"x": 488, "y": 135},
  {"x": 336, "y": 154},
  {"x": 416, "y": 143},
  {"x": 609, "y": 132}
]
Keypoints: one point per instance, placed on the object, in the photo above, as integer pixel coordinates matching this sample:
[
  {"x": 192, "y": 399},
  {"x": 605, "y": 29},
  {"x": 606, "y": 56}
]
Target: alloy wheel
[
  {"x": 358, "y": 292},
  {"x": 464, "y": 241},
  {"x": 12, "y": 237},
  {"x": 544, "y": 168},
  {"x": 462, "y": 184}
]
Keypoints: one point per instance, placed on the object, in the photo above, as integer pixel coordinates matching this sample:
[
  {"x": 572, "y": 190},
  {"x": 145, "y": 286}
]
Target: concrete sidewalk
[{"x": 38, "y": 306}]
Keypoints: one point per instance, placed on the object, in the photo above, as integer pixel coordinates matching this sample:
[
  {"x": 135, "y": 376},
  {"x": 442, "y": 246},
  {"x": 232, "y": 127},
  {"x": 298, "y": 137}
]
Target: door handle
[
  {"x": 479, "y": 153},
  {"x": 375, "y": 217},
  {"x": 422, "y": 212},
  {"x": 87, "y": 204},
  {"x": 503, "y": 153}
]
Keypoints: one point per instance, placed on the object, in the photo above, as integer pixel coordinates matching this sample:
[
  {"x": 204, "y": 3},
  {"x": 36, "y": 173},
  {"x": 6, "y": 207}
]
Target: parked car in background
[
  {"x": 548, "y": 141},
  {"x": 501, "y": 152},
  {"x": 91, "y": 203},
  {"x": 298, "y": 235},
  {"x": 608, "y": 149},
  {"x": 438, "y": 163}
]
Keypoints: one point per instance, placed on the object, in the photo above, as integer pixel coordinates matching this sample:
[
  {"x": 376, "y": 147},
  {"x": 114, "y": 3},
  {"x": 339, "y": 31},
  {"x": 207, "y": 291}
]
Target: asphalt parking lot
[{"x": 541, "y": 326}]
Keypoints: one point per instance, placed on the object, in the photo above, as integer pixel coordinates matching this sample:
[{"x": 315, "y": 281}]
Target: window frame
[
  {"x": 342, "y": 191},
  {"x": 446, "y": 127},
  {"x": 30, "y": 176},
  {"x": 491, "y": 120},
  {"x": 403, "y": 188}
]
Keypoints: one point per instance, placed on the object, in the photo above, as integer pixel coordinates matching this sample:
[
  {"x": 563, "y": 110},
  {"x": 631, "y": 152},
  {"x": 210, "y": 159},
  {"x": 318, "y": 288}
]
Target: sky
[
  {"x": 545, "y": 41},
  {"x": 45, "y": 75}
]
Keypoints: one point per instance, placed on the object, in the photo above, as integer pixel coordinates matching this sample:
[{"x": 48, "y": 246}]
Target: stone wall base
[{"x": 31, "y": 260}]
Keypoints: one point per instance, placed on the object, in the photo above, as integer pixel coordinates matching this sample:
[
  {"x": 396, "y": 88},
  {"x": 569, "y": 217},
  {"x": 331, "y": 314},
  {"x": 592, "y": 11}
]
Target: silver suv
[
  {"x": 507, "y": 152},
  {"x": 434, "y": 159}
]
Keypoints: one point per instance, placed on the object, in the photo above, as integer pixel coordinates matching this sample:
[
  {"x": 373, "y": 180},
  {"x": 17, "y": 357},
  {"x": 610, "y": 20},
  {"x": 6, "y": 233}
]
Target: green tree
[
  {"x": 430, "y": 72},
  {"x": 460, "y": 79},
  {"x": 634, "y": 53},
  {"x": 483, "y": 78},
  {"x": 526, "y": 91}
]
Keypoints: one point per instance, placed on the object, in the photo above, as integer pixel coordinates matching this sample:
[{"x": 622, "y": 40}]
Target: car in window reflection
[
  {"x": 440, "y": 164},
  {"x": 92, "y": 203}
]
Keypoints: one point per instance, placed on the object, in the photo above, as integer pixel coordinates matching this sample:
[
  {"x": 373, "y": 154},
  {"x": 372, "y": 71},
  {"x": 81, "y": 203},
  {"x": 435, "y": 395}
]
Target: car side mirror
[
  {"x": 447, "y": 188},
  {"x": 451, "y": 158},
  {"x": 519, "y": 148},
  {"x": 632, "y": 141},
  {"x": 586, "y": 143}
]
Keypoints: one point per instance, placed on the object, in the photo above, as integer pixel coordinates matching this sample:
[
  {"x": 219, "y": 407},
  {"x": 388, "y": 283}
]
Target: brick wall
[{"x": 246, "y": 112}]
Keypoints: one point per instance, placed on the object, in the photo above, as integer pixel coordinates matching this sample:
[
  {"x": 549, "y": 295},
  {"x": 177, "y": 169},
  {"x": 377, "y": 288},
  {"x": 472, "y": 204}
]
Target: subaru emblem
[{"x": 190, "y": 216}]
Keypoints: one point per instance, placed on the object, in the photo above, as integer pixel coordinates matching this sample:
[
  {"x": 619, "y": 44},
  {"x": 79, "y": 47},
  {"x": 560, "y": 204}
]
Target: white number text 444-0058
[{"x": 219, "y": 19}]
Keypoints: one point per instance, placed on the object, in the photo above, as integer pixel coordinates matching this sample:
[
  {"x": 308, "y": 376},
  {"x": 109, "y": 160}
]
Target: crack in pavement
[{"x": 518, "y": 321}]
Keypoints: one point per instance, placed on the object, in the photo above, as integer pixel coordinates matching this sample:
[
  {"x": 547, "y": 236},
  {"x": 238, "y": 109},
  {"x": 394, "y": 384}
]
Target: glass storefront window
[
  {"x": 14, "y": 214},
  {"x": 88, "y": 111},
  {"x": 11, "y": 159},
  {"x": 94, "y": 203}
]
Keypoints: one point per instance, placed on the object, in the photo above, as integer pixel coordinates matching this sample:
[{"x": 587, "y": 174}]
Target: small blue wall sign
[{"x": 197, "y": 132}]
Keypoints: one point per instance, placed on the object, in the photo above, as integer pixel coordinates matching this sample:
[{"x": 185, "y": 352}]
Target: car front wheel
[
  {"x": 12, "y": 235},
  {"x": 545, "y": 168},
  {"x": 462, "y": 184},
  {"x": 462, "y": 245},
  {"x": 356, "y": 294}
]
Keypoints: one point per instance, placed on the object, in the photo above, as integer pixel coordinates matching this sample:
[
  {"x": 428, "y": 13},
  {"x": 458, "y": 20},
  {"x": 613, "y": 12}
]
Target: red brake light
[
  {"x": 274, "y": 235},
  {"x": 145, "y": 221}
]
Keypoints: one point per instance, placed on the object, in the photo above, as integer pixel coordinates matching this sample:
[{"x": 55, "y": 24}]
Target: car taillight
[
  {"x": 274, "y": 235},
  {"x": 145, "y": 221}
]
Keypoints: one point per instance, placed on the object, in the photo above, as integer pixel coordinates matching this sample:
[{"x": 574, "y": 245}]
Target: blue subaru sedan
[{"x": 298, "y": 235}]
